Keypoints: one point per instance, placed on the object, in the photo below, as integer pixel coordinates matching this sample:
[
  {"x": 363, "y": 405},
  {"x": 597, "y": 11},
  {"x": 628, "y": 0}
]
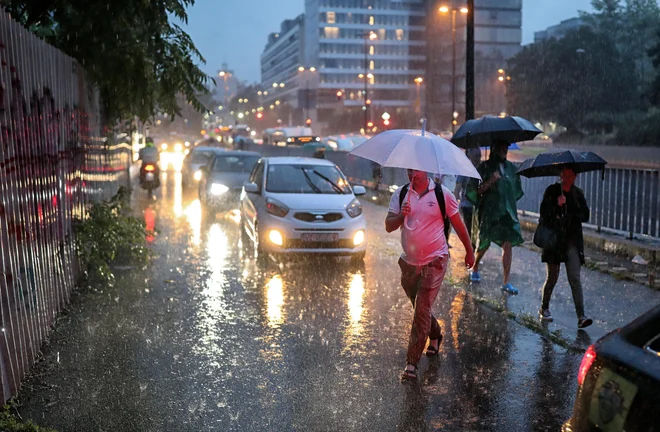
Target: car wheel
[{"x": 259, "y": 251}]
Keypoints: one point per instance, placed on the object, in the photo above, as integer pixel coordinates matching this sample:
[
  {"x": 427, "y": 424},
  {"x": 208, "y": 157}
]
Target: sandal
[
  {"x": 409, "y": 374},
  {"x": 432, "y": 351}
]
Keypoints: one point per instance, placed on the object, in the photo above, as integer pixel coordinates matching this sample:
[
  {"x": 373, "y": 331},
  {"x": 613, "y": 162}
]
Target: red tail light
[
  {"x": 587, "y": 361},
  {"x": 150, "y": 168}
]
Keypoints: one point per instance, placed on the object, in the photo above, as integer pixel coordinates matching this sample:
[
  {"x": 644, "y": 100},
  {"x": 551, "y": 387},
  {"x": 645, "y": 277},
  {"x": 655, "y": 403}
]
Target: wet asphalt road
[{"x": 207, "y": 340}]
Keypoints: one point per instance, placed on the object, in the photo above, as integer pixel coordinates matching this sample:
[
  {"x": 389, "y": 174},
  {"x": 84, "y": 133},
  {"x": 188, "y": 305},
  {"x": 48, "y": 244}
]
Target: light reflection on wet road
[{"x": 207, "y": 339}]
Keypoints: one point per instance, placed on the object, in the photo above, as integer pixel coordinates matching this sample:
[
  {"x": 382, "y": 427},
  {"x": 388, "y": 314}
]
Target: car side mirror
[
  {"x": 251, "y": 188},
  {"x": 359, "y": 190}
]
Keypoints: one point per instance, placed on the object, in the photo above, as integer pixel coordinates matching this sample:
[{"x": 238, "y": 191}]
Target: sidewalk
[{"x": 610, "y": 302}]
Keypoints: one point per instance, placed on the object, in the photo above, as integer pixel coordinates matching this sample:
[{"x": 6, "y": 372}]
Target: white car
[
  {"x": 345, "y": 142},
  {"x": 302, "y": 205}
]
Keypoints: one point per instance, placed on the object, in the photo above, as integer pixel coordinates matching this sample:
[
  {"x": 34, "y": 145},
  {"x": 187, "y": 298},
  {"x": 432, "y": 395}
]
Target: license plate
[
  {"x": 611, "y": 401},
  {"x": 316, "y": 237},
  {"x": 150, "y": 176}
]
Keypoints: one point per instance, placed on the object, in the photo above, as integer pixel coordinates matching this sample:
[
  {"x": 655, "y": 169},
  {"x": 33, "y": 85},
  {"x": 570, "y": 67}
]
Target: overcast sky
[{"x": 236, "y": 32}]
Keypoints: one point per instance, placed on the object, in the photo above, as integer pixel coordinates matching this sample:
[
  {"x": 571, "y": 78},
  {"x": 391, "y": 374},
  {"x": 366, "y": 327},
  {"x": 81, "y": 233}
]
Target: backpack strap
[
  {"x": 402, "y": 194},
  {"x": 440, "y": 196}
]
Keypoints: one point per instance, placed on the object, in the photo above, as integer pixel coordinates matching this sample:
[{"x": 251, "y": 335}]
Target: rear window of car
[
  {"x": 235, "y": 164},
  {"x": 306, "y": 179},
  {"x": 201, "y": 156}
]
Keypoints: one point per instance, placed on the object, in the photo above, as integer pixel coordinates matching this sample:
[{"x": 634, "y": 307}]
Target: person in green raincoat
[{"x": 496, "y": 210}]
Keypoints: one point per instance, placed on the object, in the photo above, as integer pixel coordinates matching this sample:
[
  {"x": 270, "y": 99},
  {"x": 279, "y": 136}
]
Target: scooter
[{"x": 150, "y": 178}]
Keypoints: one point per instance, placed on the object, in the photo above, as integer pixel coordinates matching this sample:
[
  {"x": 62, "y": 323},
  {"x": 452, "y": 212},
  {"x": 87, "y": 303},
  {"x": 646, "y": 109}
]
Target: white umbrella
[{"x": 418, "y": 150}]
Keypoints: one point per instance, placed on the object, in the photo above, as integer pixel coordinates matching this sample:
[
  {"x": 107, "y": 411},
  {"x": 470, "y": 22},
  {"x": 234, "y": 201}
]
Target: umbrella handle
[{"x": 405, "y": 220}]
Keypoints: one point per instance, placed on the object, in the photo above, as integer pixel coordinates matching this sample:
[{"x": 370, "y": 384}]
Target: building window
[
  {"x": 372, "y": 50},
  {"x": 381, "y": 34},
  {"x": 331, "y": 32},
  {"x": 371, "y": 65},
  {"x": 330, "y": 17},
  {"x": 399, "y": 34},
  {"x": 371, "y": 20}
]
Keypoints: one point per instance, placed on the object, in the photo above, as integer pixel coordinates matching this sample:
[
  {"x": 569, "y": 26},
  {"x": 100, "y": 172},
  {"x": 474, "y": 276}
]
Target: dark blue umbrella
[
  {"x": 488, "y": 129},
  {"x": 552, "y": 163}
]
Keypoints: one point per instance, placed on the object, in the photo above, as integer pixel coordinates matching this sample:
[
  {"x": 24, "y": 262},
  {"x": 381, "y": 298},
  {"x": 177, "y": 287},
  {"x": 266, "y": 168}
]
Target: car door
[{"x": 252, "y": 202}]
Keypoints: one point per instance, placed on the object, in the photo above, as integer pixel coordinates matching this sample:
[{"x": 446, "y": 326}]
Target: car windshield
[
  {"x": 234, "y": 164},
  {"x": 199, "y": 157},
  {"x": 306, "y": 179}
]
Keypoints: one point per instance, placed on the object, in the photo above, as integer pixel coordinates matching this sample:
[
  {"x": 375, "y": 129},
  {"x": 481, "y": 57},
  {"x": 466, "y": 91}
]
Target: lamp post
[
  {"x": 418, "y": 81},
  {"x": 225, "y": 75},
  {"x": 454, "y": 11},
  {"x": 302, "y": 70},
  {"x": 469, "y": 62},
  {"x": 367, "y": 37}
]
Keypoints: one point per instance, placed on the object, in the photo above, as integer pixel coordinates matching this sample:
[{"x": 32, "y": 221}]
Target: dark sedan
[
  {"x": 223, "y": 177},
  {"x": 620, "y": 380}
]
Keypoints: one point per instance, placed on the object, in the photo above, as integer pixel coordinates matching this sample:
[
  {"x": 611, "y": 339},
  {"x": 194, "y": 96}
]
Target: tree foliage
[
  {"x": 138, "y": 58},
  {"x": 566, "y": 80}
]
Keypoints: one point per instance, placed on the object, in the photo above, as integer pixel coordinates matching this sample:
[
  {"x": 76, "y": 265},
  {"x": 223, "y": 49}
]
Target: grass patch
[{"x": 11, "y": 423}]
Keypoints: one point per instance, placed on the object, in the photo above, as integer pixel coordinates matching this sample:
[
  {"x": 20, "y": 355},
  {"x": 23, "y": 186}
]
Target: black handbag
[{"x": 545, "y": 237}]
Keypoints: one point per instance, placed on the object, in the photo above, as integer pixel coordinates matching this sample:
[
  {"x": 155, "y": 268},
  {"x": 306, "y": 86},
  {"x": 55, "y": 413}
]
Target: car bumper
[
  {"x": 227, "y": 201},
  {"x": 294, "y": 241}
]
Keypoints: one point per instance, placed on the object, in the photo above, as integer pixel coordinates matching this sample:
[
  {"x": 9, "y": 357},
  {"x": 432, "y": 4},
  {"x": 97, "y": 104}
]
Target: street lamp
[
  {"x": 302, "y": 69},
  {"x": 369, "y": 36},
  {"x": 454, "y": 11},
  {"x": 419, "y": 81}
]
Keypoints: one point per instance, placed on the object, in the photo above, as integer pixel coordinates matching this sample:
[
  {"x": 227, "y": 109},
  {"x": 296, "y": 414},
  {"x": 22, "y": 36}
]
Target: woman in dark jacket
[{"x": 564, "y": 209}]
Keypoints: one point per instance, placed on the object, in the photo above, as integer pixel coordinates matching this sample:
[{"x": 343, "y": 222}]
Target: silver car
[
  {"x": 197, "y": 158},
  {"x": 223, "y": 177},
  {"x": 302, "y": 205}
]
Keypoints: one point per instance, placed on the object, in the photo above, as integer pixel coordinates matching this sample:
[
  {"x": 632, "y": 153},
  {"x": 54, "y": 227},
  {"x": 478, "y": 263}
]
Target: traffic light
[
  {"x": 386, "y": 122},
  {"x": 308, "y": 122},
  {"x": 260, "y": 115},
  {"x": 368, "y": 102},
  {"x": 340, "y": 95},
  {"x": 370, "y": 124}
]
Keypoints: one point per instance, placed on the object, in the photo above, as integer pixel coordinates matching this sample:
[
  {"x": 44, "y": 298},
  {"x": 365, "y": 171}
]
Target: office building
[
  {"x": 380, "y": 41},
  {"x": 558, "y": 31},
  {"x": 280, "y": 62}
]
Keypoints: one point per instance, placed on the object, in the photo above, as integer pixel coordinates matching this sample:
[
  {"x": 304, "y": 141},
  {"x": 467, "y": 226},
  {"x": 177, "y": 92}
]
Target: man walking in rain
[
  {"x": 496, "y": 208},
  {"x": 421, "y": 209}
]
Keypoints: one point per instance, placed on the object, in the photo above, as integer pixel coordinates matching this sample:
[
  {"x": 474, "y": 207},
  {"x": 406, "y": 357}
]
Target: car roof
[
  {"x": 238, "y": 153},
  {"x": 290, "y": 160},
  {"x": 208, "y": 148}
]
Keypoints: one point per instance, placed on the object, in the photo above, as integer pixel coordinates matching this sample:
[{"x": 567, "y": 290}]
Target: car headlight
[
  {"x": 358, "y": 238},
  {"x": 276, "y": 208},
  {"x": 218, "y": 189},
  {"x": 163, "y": 146},
  {"x": 198, "y": 175},
  {"x": 275, "y": 237},
  {"x": 354, "y": 209},
  {"x": 178, "y": 147},
  {"x": 318, "y": 138},
  {"x": 289, "y": 140}
]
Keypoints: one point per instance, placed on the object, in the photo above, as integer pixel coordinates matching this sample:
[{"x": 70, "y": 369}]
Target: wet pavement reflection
[{"x": 208, "y": 339}]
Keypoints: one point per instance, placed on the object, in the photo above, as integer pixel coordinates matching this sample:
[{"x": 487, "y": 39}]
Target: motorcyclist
[{"x": 149, "y": 155}]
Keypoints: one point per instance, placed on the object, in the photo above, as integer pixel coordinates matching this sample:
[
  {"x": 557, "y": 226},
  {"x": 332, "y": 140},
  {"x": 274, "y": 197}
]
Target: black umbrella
[
  {"x": 552, "y": 163},
  {"x": 488, "y": 129}
]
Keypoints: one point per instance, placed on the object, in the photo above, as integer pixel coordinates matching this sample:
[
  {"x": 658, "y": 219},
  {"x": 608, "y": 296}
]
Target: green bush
[
  {"x": 9, "y": 423},
  {"x": 110, "y": 236}
]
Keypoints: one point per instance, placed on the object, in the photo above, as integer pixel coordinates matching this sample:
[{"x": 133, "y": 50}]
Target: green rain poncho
[{"x": 496, "y": 210}]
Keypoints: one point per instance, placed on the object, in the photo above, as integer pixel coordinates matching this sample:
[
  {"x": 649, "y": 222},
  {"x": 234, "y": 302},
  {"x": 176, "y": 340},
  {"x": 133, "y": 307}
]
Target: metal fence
[
  {"x": 52, "y": 162},
  {"x": 625, "y": 201}
]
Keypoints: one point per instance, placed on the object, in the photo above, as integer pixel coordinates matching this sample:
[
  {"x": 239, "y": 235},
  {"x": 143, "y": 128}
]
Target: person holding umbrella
[
  {"x": 421, "y": 209},
  {"x": 563, "y": 211},
  {"x": 496, "y": 210}
]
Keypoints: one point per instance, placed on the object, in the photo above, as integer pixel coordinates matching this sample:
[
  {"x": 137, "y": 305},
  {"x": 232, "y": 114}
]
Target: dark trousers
[
  {"x": 467, "y": 219},
  {"x": 573, "y": 267}
]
